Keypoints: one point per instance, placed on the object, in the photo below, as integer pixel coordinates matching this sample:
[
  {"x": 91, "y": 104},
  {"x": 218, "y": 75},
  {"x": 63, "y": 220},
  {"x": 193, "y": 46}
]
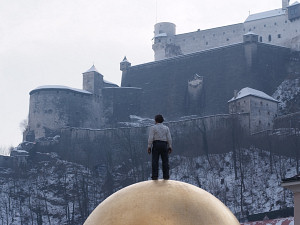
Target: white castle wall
[{"x": 275, "y": 30}]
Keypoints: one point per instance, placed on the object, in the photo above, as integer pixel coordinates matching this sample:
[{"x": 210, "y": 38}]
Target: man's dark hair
[{"x": 159, "y": 118}]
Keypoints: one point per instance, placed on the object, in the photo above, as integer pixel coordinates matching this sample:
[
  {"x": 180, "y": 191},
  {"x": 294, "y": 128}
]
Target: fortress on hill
[{"x": 193, "y": 74}]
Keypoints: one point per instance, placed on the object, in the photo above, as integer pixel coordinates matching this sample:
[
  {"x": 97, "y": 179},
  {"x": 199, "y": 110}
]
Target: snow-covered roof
[
  {"x": 160, "y": 35},
  {"x": 295, "y": 3},
  {"x": 250, "y": 32},
  {"x": 263, "y": 15},
  {"x": 60, "y": 87},
  {"x": 108, "y": 82},
  {"x": 125, "y": 59},
  {"x": 92, "y": 69},
  {"x": 250, "y": 91},
  {"x": 119, "y": 88}
]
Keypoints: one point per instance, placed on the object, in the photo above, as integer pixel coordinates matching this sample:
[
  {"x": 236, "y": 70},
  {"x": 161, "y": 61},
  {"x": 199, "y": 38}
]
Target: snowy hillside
[
  {"x": 288, "y": 93},
  {"x": 50, "y": 190}
]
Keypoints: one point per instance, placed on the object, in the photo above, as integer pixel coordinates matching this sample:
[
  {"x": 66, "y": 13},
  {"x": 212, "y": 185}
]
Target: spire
[
  {"x": 92, "y": 69},
  {"x": 125, "y": 59}
]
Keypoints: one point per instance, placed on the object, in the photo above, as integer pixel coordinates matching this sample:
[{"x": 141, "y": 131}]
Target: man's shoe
[
  {"x": 166, "y": 178},
  {"x": 154, "y": 178}
]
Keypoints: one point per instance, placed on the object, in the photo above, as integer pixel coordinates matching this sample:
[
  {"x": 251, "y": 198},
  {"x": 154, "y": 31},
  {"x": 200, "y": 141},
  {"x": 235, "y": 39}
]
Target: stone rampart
[
  {"x": 190, "y": 137},
  {"x": 119, "y": 103},
  {"x": 275, "y": 30},
  {"x": 166, "y": 83},
  {"x": 288, "y": 121}
]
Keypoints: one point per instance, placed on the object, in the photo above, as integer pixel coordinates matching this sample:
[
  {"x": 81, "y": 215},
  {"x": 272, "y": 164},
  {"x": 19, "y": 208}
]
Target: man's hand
[
  {"x": 169, "y": 150},
  {"x": 149, "y": 151}
]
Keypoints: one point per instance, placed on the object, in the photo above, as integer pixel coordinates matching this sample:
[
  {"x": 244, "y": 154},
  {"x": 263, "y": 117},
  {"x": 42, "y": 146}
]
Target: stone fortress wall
[
  {"x": 200, "y": 133},
  {"x": 201, "y": 83},
  {"x": 277, "y": 27},
  {"x": 99, "y": 103}
]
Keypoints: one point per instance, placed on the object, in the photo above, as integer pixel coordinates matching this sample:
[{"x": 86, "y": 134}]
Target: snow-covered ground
[{"x": 286, "y": 92}]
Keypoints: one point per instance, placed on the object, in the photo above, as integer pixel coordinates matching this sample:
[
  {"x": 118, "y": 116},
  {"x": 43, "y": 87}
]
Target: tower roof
[
  {"x": 125, "y": 59},
  {"x": 250, "y": 91},
  {"x": 92, "y": 69}
]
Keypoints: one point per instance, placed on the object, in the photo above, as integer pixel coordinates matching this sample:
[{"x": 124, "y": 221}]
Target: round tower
[
  {"x": 164, "y": 34},
  {"x": 164, "y": 28}
]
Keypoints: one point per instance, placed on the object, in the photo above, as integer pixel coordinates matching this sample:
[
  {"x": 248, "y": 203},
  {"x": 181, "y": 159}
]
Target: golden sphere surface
[{"x": 161, "y": 203}]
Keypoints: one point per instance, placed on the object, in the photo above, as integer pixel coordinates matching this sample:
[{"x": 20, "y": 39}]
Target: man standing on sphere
[{"x": 161, "y": 142}]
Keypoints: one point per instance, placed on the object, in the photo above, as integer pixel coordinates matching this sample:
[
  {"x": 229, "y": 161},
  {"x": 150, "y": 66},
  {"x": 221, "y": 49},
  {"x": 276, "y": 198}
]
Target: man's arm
[
  {"x": 150, "y": 139},
  {"x": 169, "y": 140}
]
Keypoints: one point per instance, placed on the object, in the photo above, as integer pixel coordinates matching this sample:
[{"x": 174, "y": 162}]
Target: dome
[{"x": 161, "y": 203}]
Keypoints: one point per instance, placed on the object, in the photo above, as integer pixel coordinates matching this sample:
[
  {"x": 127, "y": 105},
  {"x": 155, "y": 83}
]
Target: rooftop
[
  {"x": 60, "y": 87},
  {"x": 250, "y": 91},
  {"x": 264, "y": 15},
  {"x": 291, "y": 179},
  {"x": 92, "y": 69}
]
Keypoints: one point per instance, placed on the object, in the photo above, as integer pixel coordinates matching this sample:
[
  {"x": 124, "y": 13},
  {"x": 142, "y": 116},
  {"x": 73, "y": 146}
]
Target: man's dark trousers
[{"x": 160, "y": 148}]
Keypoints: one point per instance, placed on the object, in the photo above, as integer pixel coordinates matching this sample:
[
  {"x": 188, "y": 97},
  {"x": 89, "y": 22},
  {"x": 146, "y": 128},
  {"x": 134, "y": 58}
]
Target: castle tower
[
  {"x": 92, "y": 81},
  {"x": 163, "y": 40},
  {"x": 285, "y": 4},
  {"x": 124, "y": 65}
]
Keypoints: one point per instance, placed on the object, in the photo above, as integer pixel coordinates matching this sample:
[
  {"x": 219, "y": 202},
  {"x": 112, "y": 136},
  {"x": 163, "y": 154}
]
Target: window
[
  {"x": 268, "y": 113},
  {"x": 260, "y": 38},
  {"x": 279, "y": 35},
  {"x": 227, "y": 39},
  {"x": 206, "y": 43},
  {"x": 265, "y": 25},
  {"x": 275, "y": 23},
  {"x": 259, "y": 122},
  {"x": 261, "y": 103},
  {"x": 269, "y": 38}
]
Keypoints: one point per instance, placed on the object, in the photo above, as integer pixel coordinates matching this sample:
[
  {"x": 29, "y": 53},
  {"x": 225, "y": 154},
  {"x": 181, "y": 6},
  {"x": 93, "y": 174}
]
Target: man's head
[{"x": 159, "y": 118}]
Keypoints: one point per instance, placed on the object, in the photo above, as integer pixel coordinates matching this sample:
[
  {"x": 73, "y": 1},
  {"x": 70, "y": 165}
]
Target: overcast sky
[{"x": 48, "y": 42}]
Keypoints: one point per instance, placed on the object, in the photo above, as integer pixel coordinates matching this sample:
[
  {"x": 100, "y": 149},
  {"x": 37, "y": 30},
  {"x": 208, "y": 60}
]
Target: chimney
[
  {"x": 293, "y": 184},
  {"x": 235, "y": 92},
  {"x": 285, "y": 4}
]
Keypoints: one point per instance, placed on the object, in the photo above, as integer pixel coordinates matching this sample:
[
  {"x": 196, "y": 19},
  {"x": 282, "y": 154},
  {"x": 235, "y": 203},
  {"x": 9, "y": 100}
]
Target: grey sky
[{"x": 52, "y": 42}]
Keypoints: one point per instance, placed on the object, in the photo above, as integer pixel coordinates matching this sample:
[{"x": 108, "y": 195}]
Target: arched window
[{"x": 260, "y": 38}]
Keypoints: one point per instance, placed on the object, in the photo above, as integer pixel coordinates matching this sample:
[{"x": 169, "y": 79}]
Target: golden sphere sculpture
[{"x": 161, "y": 202}]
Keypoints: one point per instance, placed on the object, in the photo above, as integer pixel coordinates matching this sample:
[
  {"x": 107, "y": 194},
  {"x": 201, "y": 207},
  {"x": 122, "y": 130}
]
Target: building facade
[
  {"x": 53, "y": 107},
  {"x": 279, "y": 27},
  {"x": 261, "y": 107}
]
